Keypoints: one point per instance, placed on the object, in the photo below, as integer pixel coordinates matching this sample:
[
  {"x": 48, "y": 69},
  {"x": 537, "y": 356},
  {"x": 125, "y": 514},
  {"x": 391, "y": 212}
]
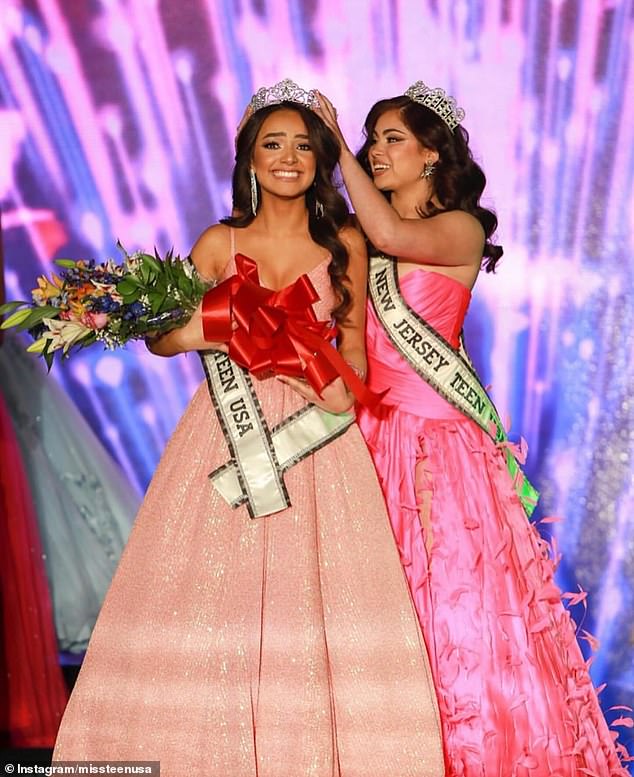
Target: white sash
[
  {"x": 259, "y": 456},
  {"x": 447, "y": 370}
]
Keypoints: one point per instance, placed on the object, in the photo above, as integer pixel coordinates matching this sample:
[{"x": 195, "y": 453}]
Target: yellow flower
[
  {"x": 46, "y": 290},
  {"x": 77, "y": 309}
]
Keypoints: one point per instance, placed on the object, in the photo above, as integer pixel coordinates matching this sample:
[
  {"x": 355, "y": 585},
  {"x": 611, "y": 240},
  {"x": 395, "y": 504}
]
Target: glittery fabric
[
  {"x": 285, "y": 646},
  {"x": 514, "y": 692}
]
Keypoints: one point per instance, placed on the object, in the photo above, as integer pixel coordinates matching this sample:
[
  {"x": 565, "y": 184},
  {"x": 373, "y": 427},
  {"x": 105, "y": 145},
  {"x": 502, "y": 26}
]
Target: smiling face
[
  {"x": 396, "y": 156},
  {"x": 283, "y": 160}
]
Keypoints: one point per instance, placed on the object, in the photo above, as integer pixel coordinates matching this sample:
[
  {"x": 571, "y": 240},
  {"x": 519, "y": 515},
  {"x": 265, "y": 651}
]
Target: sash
[
  {"x": 259, "y": 456},
  {"x": 446, "y": 369}
]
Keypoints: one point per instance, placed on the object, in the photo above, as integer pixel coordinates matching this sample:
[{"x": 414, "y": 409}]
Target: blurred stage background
[{"x": 117, "y": 120}]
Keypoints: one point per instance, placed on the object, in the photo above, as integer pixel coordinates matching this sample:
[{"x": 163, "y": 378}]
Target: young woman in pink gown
[
  {"x": 284, "y": 644},
  {"x": 514, "y": 692}
]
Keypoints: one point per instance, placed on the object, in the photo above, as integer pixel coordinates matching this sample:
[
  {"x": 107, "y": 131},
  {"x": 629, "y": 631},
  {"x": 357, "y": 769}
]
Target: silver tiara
[
  {"x": 284, "y": 91},
  {"x": 438, "y": 102}
]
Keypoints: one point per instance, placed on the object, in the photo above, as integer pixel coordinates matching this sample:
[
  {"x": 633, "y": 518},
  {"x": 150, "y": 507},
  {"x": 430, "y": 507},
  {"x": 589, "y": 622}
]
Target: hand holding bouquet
[
  {"x": 266, "y": 332},
  {"x": 109, "y": 303}
]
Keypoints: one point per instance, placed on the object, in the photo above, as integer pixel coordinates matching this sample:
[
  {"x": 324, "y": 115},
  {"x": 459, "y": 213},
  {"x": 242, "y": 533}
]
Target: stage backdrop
[{"x": 117, "y": 122}]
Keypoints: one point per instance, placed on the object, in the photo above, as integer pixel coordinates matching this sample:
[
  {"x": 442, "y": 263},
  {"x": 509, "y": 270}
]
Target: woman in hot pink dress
[
  {"x": 514, "y": 693},
  {"x": 239, "y": 644}
]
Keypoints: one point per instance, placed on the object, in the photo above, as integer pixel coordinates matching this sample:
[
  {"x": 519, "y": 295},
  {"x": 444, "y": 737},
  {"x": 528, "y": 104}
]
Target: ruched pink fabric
[
  {"x": 284, "y": 646},
  {"x": 515, "y": 696}
]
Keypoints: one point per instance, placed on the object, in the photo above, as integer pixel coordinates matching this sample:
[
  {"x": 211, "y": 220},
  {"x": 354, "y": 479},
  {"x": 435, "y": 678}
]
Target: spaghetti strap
[{"x": 232, "y": 238}]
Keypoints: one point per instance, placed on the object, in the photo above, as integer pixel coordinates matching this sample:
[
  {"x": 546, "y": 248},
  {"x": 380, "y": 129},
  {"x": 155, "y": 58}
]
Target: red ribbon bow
[{"x": 277, "y": 331}]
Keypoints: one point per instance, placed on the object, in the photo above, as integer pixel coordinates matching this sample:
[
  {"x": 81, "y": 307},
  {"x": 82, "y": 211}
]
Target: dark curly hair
[
  {"x": 324, "y": 229},
  {"x": 458, "y": 181}
]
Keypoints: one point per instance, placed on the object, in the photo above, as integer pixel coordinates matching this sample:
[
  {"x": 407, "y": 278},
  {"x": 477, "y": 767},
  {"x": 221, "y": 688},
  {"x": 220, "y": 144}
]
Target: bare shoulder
[
  {"x": 210, "y": 252},
  {"x": 461, "y": 234},
  {"x": 460, "y": 222}
]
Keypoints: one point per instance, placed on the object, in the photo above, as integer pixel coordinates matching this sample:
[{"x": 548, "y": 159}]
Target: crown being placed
[
  {"x": 284, "y": 91},
  {"x": 437, "y": 101}
]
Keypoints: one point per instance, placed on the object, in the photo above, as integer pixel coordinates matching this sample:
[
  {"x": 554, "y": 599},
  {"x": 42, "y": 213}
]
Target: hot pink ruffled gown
[
  {"x": 283, "y": 646},
  {"x": 514, "y": 693}
]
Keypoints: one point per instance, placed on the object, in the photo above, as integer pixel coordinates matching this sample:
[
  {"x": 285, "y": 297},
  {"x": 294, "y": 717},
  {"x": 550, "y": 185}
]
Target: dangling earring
[
  {"x": 319, "y": 207},
  {"x": 254, "y": 191},
  {"x": 428, "y": 170}
]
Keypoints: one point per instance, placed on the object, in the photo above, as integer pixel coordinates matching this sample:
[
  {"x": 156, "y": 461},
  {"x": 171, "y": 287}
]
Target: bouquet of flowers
[
  {"x": 266, "y": 331},
  {"x": 108, "y": 303}
]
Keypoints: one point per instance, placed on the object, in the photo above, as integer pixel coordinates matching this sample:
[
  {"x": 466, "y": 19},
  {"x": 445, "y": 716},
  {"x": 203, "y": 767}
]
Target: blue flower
[
  {"x": 104, "y": 304},
  {"x": 134, "y": 310}
]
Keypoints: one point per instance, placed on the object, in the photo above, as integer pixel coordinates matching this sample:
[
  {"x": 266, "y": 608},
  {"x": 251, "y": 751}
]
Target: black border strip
[
  {"x": 459, "y": 357},
  {"x": 263, "y": 427},
  {"x": 309, "y": 452}
]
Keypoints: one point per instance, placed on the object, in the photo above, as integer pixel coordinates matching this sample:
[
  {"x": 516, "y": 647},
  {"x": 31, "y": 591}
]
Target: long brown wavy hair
[
  {"x": 324, "y": 229},
  {"x": 458, "y": 181}
]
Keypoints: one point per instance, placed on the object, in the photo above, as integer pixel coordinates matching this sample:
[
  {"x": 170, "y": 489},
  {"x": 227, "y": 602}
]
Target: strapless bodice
[{"x": 443, "y": 303}]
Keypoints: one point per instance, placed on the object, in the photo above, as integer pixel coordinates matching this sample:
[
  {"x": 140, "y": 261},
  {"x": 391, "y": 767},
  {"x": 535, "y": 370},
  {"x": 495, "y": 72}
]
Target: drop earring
[
  {"x": 428, "y": 170},
  {"x": 254, "y": 191},
  {"x": 319, "y": 209}
]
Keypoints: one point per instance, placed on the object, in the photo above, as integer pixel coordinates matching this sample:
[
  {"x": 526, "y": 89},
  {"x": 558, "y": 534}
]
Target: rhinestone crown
[
  {"x": 284, "y": 91},
  {"x": 438, "y": 102}
]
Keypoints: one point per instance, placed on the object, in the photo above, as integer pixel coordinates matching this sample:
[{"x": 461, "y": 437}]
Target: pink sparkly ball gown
[
  {"x": 281, "y": 646},
  {"x": 514, "y": 693}
]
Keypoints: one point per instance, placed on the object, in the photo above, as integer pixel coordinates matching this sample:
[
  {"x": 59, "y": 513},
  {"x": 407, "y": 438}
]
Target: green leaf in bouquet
[
  {"x": 159, "y": 286},
  {"x": 135, "y": 279},
  {"x": 38, "y": 315},
  {"x": 171, "y": 264},
  {"x": 68, "y": 263},
  {"x": 152, "y": 263},
  {"x": 168, "y": 273},
  {"x": 185, "y": 286},
  {"x": 146, "y": 274},
  {"x": 129, "y": 285},
  {"x": 199, "y": 288},
  {"x": 87, "y": 341},
  {"x": 17, "y": 318},
  {"x": 156, "y": 300},
  {"x": 168, "y": 304},
  {"x": 48, "y": 356},
  {"x": 9, "y": 307},
  {"x": 38, "y": 346},
  {"x": 42, "y": 348}
]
